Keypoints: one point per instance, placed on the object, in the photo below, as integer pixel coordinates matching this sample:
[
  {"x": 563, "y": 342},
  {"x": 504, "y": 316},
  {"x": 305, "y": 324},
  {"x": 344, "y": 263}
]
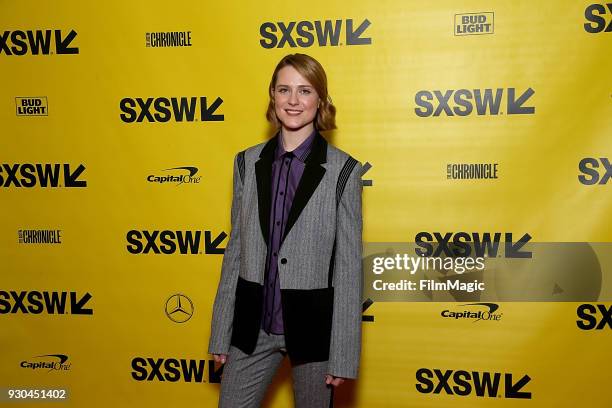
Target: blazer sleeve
[
  {"x": 345, "y": 344},
  {"x": 223, "y": 307}
]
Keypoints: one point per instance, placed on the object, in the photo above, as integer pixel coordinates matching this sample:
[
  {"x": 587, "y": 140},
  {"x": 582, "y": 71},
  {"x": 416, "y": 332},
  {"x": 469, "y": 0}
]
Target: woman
[{"x": 291, "y": 281}]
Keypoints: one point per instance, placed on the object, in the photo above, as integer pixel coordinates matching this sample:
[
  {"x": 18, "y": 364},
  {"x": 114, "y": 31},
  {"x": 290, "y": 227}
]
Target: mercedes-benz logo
[{"x": 179, "y": 308}]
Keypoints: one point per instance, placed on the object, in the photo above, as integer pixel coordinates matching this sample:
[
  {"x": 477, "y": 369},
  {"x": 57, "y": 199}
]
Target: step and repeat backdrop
[{"x": 485, "y": 130}]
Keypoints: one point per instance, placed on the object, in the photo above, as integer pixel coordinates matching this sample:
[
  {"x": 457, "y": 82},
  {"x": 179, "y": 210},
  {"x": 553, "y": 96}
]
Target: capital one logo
[
  {"x": 465, "y": 102},
  {"x": 308, "y": 33},
  {"x": 596, "y": 15},
  {"x": 56, "y": 362},
  {"x": 37, "y": 42}
]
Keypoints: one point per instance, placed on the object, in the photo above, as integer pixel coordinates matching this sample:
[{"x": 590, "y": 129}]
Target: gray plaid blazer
[{"x": 319, "y": 261}]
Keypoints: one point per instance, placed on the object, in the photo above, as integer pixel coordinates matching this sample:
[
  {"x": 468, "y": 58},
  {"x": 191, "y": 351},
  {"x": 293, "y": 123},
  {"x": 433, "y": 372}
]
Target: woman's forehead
[{"x": 290, "y": 76}]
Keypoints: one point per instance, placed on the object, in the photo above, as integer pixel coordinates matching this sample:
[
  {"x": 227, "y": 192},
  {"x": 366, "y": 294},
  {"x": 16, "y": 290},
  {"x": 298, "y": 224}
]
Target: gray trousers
[{"x": 246, "y": 377}]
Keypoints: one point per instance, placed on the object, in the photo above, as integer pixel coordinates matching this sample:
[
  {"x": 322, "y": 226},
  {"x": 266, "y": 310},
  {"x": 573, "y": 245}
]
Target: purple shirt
[{"x": 287, "y": 170}]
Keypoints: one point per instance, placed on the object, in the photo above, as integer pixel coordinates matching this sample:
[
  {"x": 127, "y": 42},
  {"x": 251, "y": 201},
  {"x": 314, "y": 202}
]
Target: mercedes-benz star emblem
[{"x": 179, "y": 308}]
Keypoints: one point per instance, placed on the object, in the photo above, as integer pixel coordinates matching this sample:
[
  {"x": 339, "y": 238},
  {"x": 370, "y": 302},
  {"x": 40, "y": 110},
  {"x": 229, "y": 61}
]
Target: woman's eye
[{"x": 306, "y": 91}]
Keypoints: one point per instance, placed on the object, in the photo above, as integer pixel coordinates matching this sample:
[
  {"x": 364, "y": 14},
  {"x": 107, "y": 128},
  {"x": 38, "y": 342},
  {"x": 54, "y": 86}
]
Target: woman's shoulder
[
  {"x": 252, "y": 152},
  {"x": 337, "y": 156}
]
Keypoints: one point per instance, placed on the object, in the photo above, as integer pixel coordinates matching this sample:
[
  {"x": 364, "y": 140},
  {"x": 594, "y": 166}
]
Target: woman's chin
[{"x": 292, "y": 126}]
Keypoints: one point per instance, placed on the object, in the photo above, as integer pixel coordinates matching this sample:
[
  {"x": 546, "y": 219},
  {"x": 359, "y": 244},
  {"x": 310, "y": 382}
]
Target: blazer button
[{"x": 284, "y": 261}]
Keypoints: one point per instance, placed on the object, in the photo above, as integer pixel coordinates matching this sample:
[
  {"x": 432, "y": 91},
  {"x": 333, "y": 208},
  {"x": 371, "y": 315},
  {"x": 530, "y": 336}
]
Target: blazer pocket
[
  {"x": 307, "y": 316},
  {"x": 247, "y": 315}
]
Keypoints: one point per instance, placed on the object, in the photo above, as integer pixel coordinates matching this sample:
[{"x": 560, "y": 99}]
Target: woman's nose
[{"x": 293, "y": 98}]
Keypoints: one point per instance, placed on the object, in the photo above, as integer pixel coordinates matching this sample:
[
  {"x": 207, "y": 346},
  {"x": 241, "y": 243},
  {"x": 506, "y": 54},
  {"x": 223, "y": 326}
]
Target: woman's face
[{"x": 295, "y": 99}]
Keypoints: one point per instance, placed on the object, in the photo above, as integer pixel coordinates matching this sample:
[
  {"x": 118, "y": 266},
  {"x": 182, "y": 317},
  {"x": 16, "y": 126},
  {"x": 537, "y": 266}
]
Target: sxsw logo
[
  {"x": 174, "y": 370},
  {"x": 591, "y": 173},
  {"x": 170, "y": 242},
  {"x": 474, "y": 23},
  {"x": 463, "y": 102},
  {"x": 596, "y": 317},
  {"x": 43, "y": 175},
  {"x": 597, "y": 23},
  {"x": 308, "y": 33},
  {"x": 467, "y": 244},
  {"x": 35, "y": 302},
  {"x": 32, "y": 106},
  {"x": 37, "y": 42},
  {"x": 476, "y": 383},
  {"x": 183, "y": 109}
]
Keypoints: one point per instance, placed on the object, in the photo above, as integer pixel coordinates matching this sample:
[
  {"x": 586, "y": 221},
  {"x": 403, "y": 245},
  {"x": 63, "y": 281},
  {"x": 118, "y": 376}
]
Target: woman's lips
[{"x": 293, "y": 112}]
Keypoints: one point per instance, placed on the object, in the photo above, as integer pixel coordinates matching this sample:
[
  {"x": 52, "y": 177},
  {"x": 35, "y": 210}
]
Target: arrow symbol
[
  {"x": 513, "y": 249},
  {"x": 353, "y": 37},
  {"x": 366, "y": 304},
  {"x": 77, "y": 306},
  {"x": 515, "y": 106},
  {"x": 70, "y": 179},
  {"x": 61, "y": 45},
  {"x": 211, "y": 247},
  {"x": 513, "y": 390},
  {"x": 364, "y": 169},
  {"x": 208, "y": 112}
]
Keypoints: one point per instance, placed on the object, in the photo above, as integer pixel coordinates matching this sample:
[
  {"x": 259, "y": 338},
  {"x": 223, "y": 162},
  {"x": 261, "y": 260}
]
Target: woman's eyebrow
[{"x": 299, "y": 86}]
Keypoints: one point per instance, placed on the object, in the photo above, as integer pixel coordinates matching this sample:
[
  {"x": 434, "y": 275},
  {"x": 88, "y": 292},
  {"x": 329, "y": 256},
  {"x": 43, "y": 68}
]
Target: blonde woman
[{"x": 291, "y": 280}]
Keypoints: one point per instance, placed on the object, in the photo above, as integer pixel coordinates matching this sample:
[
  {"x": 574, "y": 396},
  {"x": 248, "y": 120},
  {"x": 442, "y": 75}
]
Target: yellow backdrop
[{"x": 120, "y": 121}]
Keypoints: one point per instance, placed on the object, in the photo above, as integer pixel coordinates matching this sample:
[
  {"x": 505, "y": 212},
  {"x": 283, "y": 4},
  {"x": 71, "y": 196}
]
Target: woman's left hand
[{"x": 335, "y": 381}]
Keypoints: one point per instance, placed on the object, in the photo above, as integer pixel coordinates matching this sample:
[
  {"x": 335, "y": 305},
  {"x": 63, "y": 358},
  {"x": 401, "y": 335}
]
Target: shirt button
[
  {"x": 274, "y": 254},
  {"x": 277, "y": 222},
  {"x": 281, "y": 193},
  {"x": 284, "y": 261}
]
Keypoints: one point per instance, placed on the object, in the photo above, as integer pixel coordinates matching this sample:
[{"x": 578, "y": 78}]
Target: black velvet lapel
[
  {"x": 263, "y": 173},
  {"x": 313, "y": 173}
]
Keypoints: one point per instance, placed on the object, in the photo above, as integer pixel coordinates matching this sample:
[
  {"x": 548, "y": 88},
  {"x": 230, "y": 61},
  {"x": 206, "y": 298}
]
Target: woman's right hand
[{"x": 220, "y": 358}]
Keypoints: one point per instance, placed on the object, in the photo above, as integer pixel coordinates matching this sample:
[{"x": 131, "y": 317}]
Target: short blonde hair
[{"x": 314, "y": 73}]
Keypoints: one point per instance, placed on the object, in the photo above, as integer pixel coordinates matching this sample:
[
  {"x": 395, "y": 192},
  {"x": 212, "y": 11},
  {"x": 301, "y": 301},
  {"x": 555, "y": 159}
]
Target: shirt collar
[{"x": 301, "y": 152}]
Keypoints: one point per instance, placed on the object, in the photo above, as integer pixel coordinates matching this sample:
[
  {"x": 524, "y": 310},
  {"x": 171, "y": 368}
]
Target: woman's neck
[{"x": 291, "y": 139}]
